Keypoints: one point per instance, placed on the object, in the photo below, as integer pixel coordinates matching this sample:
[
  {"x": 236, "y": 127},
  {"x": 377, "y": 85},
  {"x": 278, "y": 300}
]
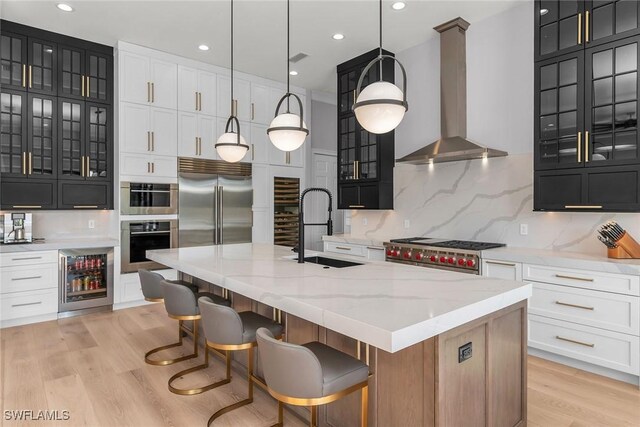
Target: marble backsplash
[
  {"x": 483, "y": 200},
  {"x": 73, "y": 224}
]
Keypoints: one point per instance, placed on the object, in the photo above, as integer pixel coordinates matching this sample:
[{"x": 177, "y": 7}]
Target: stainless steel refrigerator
[{"x": 214, "y": 208}]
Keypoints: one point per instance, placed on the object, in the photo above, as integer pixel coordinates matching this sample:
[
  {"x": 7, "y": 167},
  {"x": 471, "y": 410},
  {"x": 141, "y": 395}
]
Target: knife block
[{"x": 627, "y": 248}]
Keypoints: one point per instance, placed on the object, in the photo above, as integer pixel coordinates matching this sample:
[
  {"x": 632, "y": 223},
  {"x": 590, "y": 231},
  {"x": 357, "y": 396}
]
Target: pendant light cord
[
  {"x": 288, "y": 56},
  {"x": 232, "y": 57},
  {"x": 380, "y": 27}
]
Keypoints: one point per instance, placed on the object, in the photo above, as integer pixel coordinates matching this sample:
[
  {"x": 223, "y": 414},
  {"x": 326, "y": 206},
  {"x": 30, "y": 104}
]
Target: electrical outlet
[
  {"x": 365, "y": 221},
  {"x": 524, "y": 229},
  {"x": 407, "y": 223},
  {"x": 92, "y": 224}
]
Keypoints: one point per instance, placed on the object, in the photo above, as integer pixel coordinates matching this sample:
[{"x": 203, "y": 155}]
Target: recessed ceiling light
[
  {"x": 544, "y": 12},
  {"x": 203, "y": 47},
  {"x": 293, "y": 72},
  {"x": 64, "y": 7},
  {"x": 399, "y": 5},
  {"x": 338, "y": 36}
]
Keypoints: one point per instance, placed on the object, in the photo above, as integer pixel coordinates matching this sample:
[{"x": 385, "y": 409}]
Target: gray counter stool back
[
  {"x": 227, "y": 330},
  {"x": 151, "y": 284},
  {"x": 312, "y": 374}
]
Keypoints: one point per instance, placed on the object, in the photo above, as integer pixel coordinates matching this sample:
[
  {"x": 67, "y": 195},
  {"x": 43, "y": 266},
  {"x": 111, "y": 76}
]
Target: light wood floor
[{"x": 93, "y": 367}]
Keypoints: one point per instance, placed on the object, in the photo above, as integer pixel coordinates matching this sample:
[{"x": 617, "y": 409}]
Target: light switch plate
[
  {"x": 407, "y": 223},
  {"x": 92, "y": 223},
  {"x": 524, "y": 229}
]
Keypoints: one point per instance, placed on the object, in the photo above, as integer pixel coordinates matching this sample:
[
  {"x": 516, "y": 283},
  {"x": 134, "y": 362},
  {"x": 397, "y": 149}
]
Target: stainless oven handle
[
  {"x": 134, "y": 233},
  {"x": 151, "y": 191},
  {"x": 63, "y": 278}
]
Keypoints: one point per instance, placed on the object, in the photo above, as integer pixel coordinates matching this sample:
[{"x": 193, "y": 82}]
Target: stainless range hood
[{"x": 453, "y": 145}]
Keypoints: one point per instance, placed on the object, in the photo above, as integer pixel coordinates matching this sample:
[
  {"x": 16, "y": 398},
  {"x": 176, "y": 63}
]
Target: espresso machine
[{"x": 17, "y": 228}]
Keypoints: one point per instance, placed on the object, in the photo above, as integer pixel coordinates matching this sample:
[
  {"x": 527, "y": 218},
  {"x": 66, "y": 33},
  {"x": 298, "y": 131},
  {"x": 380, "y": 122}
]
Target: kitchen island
[{"x": 443, "y": 348}]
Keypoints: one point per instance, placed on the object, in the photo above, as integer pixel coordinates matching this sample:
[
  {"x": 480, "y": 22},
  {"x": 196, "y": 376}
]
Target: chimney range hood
[{"x": 453, "y": 145}]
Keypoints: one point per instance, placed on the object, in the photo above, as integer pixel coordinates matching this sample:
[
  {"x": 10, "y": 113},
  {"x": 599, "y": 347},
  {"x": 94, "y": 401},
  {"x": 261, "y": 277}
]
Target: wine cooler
[{"x": 86, "y": 281}]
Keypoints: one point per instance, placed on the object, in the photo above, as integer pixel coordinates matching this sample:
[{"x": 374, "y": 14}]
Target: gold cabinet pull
[
  {"x": 88, "y": 168},
  {"x": 30, "y": 163},
  {"x": 288, "y": 157},
  {"x": 153, "y": 93},
  {"x": 88, "y": 85},
  {"x": 196, "y": 101},
  {"x": 85, "y": 207},
  {"x": 24, "y": 75},
  {"x": 27, "y": 207},
  {"x": 82, "y": 90},
  {"x": 586, "y": 27},
  {"x": 579, "y": 147},
  {"x": 30, "y": 76},
  {"x": 200, "y": 138},
  {"x": 582, "y": 279},
  {"x": 148, "y": 91},
  {"x": 148, "y": 167},
  {"x": 148, "y": 141},
  {"x": 82, "y": 166},
  {"x": 24, "y": 163},
  {"x": 586, "y": 344},
  {"x": 199, "y": 101},
  {"x": 586, "y": 147},
  {"x": 253, "y": 152},
  {"x": 196, "y": 145},
  {"x": 343, "y": 248},
  {"x": 580, "y": 28},
  {"x": 356, "y": 206},
  {"x": 153, "y": 140},
  {"x": 253, "y": 111},
  {"x": 582, "y": 206},
  {"x": 566, "y": 304}
]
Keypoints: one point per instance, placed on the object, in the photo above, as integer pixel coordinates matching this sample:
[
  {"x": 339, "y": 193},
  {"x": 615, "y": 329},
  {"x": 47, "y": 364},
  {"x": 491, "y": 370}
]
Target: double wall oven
[{"x": 140, "y": 236}]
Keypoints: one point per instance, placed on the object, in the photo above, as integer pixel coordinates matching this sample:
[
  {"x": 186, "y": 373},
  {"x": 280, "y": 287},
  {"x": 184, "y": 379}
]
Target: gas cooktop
[{"x": 467, "y": 245}]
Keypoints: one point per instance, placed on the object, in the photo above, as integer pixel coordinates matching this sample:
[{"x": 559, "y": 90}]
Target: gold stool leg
[
  {"x": 168, "y": 346},
  {"x": 314, "y": 416},
  {"x": 241, "y": 403},
  {"x": 205, "y": 365},
  {"x": 364, "y": 406}
]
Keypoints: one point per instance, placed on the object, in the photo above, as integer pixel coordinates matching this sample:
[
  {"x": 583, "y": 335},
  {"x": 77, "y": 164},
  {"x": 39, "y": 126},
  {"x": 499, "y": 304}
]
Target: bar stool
[
  {"x": 151, "y": 284},
  {"x": 180, "y": 303},
  {"x": 310, "y": 375},
  {"x": 227, "y": 330}
]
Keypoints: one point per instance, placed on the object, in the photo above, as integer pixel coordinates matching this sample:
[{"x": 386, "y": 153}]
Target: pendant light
[
  {"x": 231, "y": 146},
  {"x": 380, "y": 107},
  {"x": 288, "y": 131}
]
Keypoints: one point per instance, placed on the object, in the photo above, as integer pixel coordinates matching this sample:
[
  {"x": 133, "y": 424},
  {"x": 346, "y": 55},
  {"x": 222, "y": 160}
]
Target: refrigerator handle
[
  {"x": 215, "y": 215},
  {"x": 221, "y": 213},
  {"x": 63, "y": 278}
]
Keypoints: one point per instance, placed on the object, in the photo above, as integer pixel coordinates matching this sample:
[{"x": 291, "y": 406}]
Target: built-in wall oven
[
  {"x": 138, "y": 198},
  {"x": 138, "y": 237}
]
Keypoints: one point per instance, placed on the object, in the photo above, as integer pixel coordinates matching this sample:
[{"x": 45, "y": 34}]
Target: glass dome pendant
[
  {"x": 380, "y": 107},
  {"x": 288, "y": 131},
  {"x": 231, "y": 146}
]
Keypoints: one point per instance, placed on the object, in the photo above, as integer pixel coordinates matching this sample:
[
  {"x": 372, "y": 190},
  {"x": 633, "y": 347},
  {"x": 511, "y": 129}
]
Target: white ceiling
[{"x": 178, "y": 27}]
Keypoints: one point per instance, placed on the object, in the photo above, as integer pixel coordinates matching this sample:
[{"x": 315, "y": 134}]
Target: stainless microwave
[
  {"x": 139, "y": 198},
  {"x": 138, "y": 237}
]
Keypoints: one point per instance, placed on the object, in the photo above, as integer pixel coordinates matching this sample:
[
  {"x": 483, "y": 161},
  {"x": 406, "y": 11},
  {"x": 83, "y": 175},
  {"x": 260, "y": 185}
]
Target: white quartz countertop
[
  {"x": 355, "y": 240},
  {"x": 56, "y": 244},
  {"x": 564, "y": 259},
  {"x": 390, "y": 306}
]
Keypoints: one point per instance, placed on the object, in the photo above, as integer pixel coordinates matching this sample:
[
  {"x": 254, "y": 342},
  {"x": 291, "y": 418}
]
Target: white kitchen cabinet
[
  {"x": 375, "y": 253},
  {"x": 197, "y": 91},
  {"x": 197, "y": 136},
  {"x": 260, "y": 180},
  {"x": 608, "y": 282},
  {"x": 29, "y": 287},
  {"x": 372, "y": 253},
  {"x": 259, "y": 144},
  {"x": 293, "y": 158},
  {"x": 261, "y": 109},
  {"x": 148, "y": 166},
  {"x": 241, "y": 95},
  {"x": 262, "y": 229},
  {"x": 146, "y": 80},
  {"x": 502, "y": 269},
  {"x": 148, "y": 130}
]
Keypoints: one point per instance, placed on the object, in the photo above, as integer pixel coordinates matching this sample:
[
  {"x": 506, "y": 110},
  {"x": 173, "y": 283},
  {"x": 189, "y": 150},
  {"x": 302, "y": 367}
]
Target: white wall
[
  {"x": 323, "y": 125},
  {"x": 480, "y": 200}
]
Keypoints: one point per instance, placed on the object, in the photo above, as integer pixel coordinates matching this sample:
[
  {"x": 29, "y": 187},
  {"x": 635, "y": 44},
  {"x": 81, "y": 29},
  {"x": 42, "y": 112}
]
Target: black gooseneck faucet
[{"x": 301, "y": 224}]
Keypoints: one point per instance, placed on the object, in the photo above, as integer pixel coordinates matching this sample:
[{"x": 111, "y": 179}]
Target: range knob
[
  {"x": 443, "y": 259},
  {"x": 433, "y": 258},
  {"x": 407, "y": 255},
  {"x": 462, "y": 261},
  {"x": 451, "y": 260},
  {"x": 471, "y": 263},
  {"x": 419, "y": 256}
]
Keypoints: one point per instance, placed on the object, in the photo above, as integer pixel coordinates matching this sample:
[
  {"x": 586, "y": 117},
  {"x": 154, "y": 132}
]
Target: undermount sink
[{"x": 330, "y": 262}]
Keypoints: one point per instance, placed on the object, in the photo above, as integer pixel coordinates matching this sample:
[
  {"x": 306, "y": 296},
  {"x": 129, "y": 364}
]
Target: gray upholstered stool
[
  {"x": 151, "y": 284},
  {"x": 227, "y": 330},
  {"x": 180, "y": 303},
  {"x": 310, "y": 375}
]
